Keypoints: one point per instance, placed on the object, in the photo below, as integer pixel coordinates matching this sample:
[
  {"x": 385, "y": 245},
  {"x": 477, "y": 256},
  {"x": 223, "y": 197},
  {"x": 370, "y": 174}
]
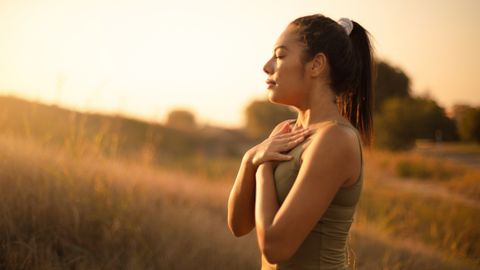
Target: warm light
[{"x": 145, "y": 57}]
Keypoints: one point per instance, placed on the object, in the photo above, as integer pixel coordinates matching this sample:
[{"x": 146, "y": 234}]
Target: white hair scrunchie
[{"x": 347, "y": 24}]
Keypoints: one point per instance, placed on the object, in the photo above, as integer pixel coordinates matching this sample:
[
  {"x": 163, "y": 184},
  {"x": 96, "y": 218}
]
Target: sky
[{"x": 144, "y": 58}]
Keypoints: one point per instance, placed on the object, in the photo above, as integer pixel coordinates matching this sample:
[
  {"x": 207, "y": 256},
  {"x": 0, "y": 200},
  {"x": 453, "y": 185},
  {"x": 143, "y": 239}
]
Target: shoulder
[
  {"x": 334, "y": 135},
  {"x": 336, "y": 145}
]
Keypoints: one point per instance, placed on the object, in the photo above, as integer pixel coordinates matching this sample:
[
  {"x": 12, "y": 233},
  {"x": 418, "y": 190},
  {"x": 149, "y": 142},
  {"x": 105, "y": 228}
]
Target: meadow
[{"x": 81, "y": 199}]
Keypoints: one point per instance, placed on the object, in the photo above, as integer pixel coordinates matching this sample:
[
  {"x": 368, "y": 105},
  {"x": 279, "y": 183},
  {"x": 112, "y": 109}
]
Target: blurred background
[{"x": 123, "y": 124}]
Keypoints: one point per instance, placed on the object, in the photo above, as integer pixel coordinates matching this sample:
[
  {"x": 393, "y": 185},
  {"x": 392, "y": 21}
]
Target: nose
[{"x": 267, "y": 68}]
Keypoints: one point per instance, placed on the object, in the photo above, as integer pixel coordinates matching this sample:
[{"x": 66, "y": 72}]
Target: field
[{"x": 71, "y": 206}]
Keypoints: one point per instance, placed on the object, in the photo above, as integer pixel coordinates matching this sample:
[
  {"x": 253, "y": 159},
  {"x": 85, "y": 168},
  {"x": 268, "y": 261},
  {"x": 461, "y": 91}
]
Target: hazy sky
[{"x": 145, "y": 57}]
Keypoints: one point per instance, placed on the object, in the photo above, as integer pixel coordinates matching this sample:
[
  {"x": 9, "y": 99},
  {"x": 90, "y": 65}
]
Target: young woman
[{"x": 299, "y": 188}]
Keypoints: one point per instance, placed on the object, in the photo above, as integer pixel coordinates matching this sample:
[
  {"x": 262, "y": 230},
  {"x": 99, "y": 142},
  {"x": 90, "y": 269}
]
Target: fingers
[
  {"x": 271, "y": 149},
  {"x": 278, "y": 156},
  {"x": 293, "y": 136},
  {"x": 297, "y": 127},
  {"x": 286, "y": 128},
  {"x": 290, "y": 142},
  {"x": 270, "y": 156},
  {"x": 292, "y": 133}
]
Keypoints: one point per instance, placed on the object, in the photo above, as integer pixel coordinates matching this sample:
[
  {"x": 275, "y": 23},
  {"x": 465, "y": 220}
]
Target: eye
[{"x": 279, "y": 54}]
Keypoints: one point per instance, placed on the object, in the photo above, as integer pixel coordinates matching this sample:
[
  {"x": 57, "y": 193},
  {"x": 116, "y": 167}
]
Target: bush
[
  {"x": 393, "y": 126},
  {"x": 468, "y": 122},
  {"x": 403, "y": 120}
]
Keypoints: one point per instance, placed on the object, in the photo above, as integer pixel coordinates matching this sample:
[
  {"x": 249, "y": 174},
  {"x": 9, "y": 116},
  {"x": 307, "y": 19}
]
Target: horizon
[{"x": 135, "y": 58}]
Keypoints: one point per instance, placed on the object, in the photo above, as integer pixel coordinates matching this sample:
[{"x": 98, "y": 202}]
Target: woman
[{"x": 299, "y": 187}]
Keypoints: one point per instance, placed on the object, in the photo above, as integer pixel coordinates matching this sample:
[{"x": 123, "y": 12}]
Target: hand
[
  {"x": 271, "y": 148},
  {"x": 284, "y": 129}
]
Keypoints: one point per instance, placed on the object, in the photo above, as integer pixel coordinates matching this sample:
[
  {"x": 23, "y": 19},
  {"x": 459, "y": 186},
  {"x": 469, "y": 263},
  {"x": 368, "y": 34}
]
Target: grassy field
[
  {"x": 64, "y": 211},
  {"x": 103, "y": 192}
]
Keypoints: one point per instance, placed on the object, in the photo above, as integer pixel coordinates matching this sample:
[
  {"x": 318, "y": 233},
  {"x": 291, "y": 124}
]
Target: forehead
[{"x": 288, "y": 38}]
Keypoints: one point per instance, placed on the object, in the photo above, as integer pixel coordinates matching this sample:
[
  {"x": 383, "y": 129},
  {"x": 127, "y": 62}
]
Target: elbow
[
  {"x": 274, "y": 252},
  {"x": 236, "y": 230}
]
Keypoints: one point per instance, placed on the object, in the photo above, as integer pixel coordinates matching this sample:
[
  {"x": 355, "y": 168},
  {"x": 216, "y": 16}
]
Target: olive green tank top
[{"x": 325, "y": 247}]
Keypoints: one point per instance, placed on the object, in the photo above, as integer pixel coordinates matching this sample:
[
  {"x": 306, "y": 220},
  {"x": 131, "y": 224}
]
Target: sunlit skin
[{"x": 331, "y": 161}]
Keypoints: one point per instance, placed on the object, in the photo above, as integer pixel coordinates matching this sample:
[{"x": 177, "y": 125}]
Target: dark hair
[{"x": 352, "y": 67}]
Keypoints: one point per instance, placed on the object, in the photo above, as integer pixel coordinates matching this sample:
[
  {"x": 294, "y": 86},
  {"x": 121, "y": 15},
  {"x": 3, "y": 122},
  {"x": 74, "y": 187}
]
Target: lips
[{"x": 270, "y": 82}]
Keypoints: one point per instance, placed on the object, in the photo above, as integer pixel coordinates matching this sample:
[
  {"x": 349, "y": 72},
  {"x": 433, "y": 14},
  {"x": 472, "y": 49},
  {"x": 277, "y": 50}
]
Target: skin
[{"x": 253, "y": 202}]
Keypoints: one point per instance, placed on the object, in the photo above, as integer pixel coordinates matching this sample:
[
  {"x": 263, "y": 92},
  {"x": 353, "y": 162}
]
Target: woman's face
[{"x": 287, "y": 83}]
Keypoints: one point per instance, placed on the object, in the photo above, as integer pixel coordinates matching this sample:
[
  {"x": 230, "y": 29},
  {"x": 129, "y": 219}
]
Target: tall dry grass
[
  {"x": 64, "y": 211},
  {"x": 86, "y": 204},
  {"x": 463, "y": 180},
  {"x": 61, "y": 212}
]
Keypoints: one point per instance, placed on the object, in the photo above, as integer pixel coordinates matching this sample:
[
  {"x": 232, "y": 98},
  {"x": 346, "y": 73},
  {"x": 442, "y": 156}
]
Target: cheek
[
  {"x": 290, "y": 76},
  {"x": 290, "y": 88}
]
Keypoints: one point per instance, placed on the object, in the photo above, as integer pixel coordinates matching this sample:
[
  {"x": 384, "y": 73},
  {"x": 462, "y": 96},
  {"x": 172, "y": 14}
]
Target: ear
[{"x": 318, "y": 65}]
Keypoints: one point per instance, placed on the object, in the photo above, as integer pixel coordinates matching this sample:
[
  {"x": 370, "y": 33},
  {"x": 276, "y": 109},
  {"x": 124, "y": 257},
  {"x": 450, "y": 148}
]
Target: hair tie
[{"x": 347, "y": 24}]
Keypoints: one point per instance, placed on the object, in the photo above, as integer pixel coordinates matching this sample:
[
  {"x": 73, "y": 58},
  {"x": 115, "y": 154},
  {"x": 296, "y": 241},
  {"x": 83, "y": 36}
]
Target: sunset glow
[{"x": 144, "y": 57}]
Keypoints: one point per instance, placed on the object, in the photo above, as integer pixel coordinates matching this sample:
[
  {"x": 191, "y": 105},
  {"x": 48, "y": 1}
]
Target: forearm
[
  {"x": 241, "y": 202},
  {"x": 266, "y": 204}
]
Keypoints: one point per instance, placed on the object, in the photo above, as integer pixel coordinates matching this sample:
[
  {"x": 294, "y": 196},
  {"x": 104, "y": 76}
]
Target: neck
[{"x": 319, "y": 107}]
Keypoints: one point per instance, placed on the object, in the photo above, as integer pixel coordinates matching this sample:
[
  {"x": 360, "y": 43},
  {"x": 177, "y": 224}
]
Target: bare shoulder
[
  {"x": 333, "y": 137},
  {"x": 338, "y": 144}
]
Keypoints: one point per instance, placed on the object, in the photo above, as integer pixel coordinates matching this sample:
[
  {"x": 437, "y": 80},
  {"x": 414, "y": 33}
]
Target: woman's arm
[
  {"x": 266, "y": 206},
  {"x": 241, "y": 201},
  {"x": 326, "y": 166}
]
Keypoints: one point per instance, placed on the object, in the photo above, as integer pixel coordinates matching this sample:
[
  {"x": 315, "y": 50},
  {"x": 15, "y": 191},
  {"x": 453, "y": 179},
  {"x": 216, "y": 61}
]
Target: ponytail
[
  {"x": 357, "y": 105},
  {"x": 352, "y": 72}
]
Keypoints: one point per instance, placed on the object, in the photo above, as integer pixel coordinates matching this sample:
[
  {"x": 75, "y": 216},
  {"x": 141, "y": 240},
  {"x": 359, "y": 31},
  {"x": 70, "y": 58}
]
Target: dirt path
[{"x": 464, "y": 155}]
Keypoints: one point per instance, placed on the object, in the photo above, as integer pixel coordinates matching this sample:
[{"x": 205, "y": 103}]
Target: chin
[{"x": 273, "y": 97}]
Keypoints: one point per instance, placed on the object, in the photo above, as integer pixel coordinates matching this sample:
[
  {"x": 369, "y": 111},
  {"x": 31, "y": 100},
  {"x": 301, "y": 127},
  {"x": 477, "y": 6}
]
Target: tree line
[{"x": 400, "y": 118}]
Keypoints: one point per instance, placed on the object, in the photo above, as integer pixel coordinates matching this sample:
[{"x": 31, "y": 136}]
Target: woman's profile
[{"x": 299, "y": 187}]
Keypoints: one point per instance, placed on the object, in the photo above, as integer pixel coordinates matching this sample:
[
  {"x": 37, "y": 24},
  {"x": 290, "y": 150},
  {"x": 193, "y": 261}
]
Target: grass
[
  {"x": 427, "y": 169},
  {"x": 92, "y": 199},
  {"x": 468, "y": 185},
  {"x": 90, "y": 212},
  {"x": 452, "y": 176},
  {"x": 449, "y": 227}
]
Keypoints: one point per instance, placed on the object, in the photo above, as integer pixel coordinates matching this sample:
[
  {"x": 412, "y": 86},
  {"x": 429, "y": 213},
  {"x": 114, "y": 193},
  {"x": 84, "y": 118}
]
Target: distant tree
[
  {"x": 393, "y": 127},
  {"x": 449, "y": 130},
  {"x": 263, "y": 115},
  {"x": 403, "y": 120},
  {"x": 468, "y": 122},
  {"x": 390, "y": 82},
  {"x": 433, "y": 123},
  {"x": 181, "y": 119}
]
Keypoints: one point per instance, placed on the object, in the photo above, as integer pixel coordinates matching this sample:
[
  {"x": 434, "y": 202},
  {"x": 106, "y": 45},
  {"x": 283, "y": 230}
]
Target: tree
[
  {"x": 432, "y": 122},
  {"x": 393, "y": 127},
  {"x": 181, "y": 119},
  {"x": 390, "y": 82},
  {"x": 262, "y": 116},
  {"x": 468, "y": 122},
  {"x": 403, "y": 120}
]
